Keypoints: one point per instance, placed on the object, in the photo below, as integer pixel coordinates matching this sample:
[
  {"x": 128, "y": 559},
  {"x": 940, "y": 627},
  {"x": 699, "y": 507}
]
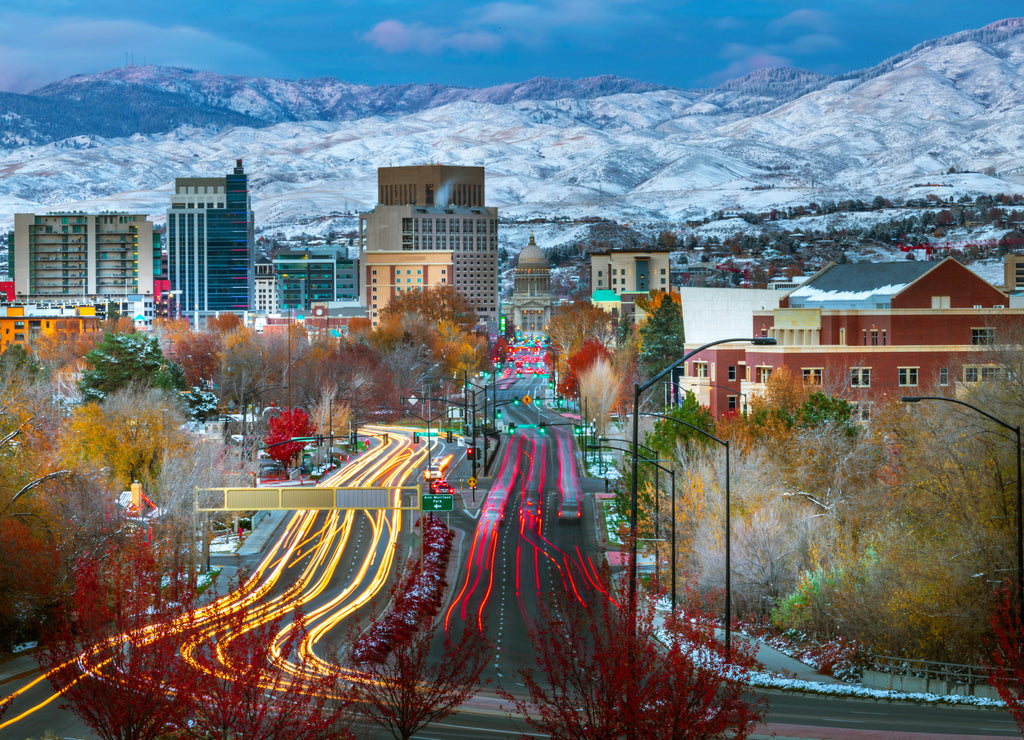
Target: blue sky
[{"x": 686, "y": 43}]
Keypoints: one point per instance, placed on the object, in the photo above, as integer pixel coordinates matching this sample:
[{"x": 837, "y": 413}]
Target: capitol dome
[{"x": 532, "y": 256}]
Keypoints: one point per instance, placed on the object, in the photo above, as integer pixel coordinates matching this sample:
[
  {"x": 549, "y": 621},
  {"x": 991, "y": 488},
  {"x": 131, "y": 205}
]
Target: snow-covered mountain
[{"x": 944, "y": 118}]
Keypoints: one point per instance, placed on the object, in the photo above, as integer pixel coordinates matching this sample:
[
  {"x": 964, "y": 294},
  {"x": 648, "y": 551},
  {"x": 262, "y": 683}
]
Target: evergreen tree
[
  {"x": 662, "y": 337},
  {"x": 121, "y": 360}
]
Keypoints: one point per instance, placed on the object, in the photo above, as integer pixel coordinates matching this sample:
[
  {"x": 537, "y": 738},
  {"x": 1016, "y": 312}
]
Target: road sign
[
  {"x": 438, "y": 502},
  {"x": 472, "y": 482},
  {"x": 412, "y": 400},
  {"x": 527, "y": 400}
]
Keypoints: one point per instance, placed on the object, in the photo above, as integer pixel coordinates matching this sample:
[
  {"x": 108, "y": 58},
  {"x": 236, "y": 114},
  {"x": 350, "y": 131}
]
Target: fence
[{"x": 925, "y": 676}]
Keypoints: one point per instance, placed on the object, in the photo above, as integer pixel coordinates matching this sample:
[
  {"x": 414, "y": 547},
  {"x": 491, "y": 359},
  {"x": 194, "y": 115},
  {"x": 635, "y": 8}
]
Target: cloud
[
  {"x": 493, "y": 26},
  {"x": 58, "y": 48},
  {"x": 814, "y": 20}
]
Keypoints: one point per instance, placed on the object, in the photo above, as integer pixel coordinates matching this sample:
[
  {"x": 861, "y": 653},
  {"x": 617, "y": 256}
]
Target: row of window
[{"x": 860, "y": 377}]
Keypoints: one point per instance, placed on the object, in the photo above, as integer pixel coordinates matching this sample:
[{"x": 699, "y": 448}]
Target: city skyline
[{"x": 477, "y": 44}]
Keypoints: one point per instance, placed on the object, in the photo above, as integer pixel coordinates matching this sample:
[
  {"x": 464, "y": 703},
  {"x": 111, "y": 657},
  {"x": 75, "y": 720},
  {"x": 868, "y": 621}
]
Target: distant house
[{"x": 864, "y": 331}]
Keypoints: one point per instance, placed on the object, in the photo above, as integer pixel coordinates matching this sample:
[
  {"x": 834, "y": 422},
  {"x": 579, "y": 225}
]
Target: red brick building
[{"x": 863, "y": 331}]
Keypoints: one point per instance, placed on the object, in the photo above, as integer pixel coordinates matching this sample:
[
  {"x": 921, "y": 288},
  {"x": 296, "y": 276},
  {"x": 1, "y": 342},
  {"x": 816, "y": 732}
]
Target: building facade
[
  {"x": 69, "y": 257},
  {"x": 435, "y": 210},
  {"x": 264, "y": 287},
  {"x": 629, "y": 271},
  {"x": 323, "y": 275},
  {"x": 25, "y": 324},
  {"x": 866, "y": 331},
  {"x": 531, "y": 295},
  {"x": 387, "y": 275},
  {"x": 210, "y": 238}
]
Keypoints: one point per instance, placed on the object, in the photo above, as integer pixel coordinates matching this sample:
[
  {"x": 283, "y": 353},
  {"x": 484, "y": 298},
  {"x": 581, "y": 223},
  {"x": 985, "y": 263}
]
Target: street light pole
[
  {"x": 1020, "y": 498},
  {"x": 637, "y": 390}
]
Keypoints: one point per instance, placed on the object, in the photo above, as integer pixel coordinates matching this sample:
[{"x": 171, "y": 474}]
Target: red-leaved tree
[
  {"x": 109, "y": 651},
  {"x": 605, "y": 672},
  {"x": 422, "y": 676},
  {"x": 590, "y": 352},
  {"x": 287, "y": 425},
  {"x": 242, "y": 690},
  {"x": 1006, "y": 655}
]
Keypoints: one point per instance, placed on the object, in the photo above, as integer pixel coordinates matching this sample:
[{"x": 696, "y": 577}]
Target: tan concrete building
[
  {"x": 431, "y": 185},
  {"x": 629, "y": 271},
  {"x": 433, "y": 209},
  {"x": 387, "y": 275},
  {"x": 70, "y": 257}
]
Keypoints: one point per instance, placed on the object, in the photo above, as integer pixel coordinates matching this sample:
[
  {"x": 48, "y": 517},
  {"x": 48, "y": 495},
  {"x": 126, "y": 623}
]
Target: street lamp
[
  {"x": 637, "y": 390},
  {"x": 1020, "y": 516}
]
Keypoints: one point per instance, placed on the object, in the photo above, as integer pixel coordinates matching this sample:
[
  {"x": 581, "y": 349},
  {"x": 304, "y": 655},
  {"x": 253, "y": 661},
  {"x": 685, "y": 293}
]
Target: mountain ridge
[{"x": 946, "y": 120}]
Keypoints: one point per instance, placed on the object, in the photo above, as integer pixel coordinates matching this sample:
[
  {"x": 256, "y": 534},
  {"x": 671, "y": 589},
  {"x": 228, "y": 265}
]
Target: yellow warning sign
[
  {"x": 527, "y": 400},
  {"x": 472, "y": 482}
]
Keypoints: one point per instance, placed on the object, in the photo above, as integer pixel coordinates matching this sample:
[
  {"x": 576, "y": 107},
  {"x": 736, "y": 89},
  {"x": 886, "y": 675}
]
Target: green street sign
[{"x": 438, "y": 502}]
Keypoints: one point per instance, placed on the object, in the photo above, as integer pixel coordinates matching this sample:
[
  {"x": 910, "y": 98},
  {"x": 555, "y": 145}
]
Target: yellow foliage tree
[{"x": 126, "y": 437}]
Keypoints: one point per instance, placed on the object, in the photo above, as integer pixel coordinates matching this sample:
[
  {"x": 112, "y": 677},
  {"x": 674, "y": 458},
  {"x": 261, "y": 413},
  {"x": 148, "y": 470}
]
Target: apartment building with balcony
[{"x": 71, "y": 257}]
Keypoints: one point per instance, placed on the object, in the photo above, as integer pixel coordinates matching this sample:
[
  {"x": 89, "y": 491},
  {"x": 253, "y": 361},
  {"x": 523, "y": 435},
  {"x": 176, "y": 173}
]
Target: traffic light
[
  {"x": 471, "y": 453},
  {"x": 497, "y": 414},
  {"x": 319, "y": 440},
  {"x": 542, "y": 427},
  {"x": 511, "y": 428},
  {"x": 448, "y": 436},
  {"x": 577, "y": 430},
  {"x": 415, "y": 438},
  {"x": 551, "y": 384}
]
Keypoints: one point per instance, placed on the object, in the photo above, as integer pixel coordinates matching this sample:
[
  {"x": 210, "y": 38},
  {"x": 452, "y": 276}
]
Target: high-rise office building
[
  {"x": 210, "y": 244},
  {"x": 67, "y": 257},
  {"x": 437, "y": 213}
]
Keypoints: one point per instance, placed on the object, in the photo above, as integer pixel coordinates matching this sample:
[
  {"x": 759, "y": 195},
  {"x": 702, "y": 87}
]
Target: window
[
  {"x": 812, "y": 375},
  {"x": 874, "y": 337},
  {"x": 731, "y": 403},
  {"x": 981, "y": 373},
  {"x": 700, "y": 369},
  {"x": 983, "y": 335},
  {"x": 763, "y": 373},
  {"x": 943, "y": 376},
  {"x": 860, "y": 412},
  {"x": 860, "y": 377},
  {"x": 732, "y": 372},
  {"x": 908, "y": 376}
]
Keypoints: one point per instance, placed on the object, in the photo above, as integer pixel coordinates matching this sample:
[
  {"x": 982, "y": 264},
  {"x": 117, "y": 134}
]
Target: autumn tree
[
  {"x": 106, "y": 655},
  {"x": 662, "y": 335},
  {"x": 245, "y": 369},
  {"x": 599, "y": 388},
  {"x": 224, "y": 323},
  {"x": 590, "y": 352},
  {"x": 243, "y": 690},
  {"x": 435, "y": 304},
  {"x": 604, "y": 670},
  {"x": 415, "y": 672},
  {"x": 198, "y": 353},
  {"x": 285, "y": 426},
  {"x": 1005, "y": 660},
  {"x": 574, "y": 323},
  {"x": 128, "y": 436},
  {"x": 121, "y": 360}
]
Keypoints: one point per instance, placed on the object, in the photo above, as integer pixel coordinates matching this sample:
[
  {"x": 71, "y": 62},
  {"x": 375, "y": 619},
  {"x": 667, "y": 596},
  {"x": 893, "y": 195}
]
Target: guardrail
[{"x": 911, "y": 675}]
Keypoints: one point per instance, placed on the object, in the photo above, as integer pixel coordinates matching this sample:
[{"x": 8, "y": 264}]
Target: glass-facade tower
[{"x": 210, "y": 235}]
